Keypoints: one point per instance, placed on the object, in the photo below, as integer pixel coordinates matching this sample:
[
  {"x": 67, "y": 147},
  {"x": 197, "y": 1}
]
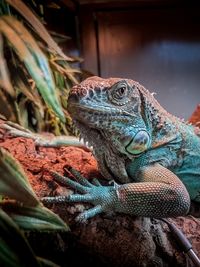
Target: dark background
[{"x": 156, "y": 43}]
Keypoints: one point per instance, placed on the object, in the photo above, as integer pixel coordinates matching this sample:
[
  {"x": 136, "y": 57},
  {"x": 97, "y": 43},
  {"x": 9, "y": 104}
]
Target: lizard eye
[{"x": 119, "y": 92}]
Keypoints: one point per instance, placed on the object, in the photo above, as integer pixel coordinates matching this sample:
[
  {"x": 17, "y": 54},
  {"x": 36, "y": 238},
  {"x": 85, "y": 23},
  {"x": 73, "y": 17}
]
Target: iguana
[{"x": 152, "y": 156}]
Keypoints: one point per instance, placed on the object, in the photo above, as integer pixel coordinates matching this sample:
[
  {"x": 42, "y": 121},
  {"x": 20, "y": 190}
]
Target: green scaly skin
[{"x": 153, "y": 156}]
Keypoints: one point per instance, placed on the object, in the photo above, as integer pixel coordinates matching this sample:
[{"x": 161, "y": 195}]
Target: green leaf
[
  {"x": 22, "y": 113},
  {"x": 14, "y": 248},
  {"x": 21, "y": 84},
  {"x": 34, "y": 218},
  {"x": 37, "y": 26},
  {"x": 4, "y": 8},
  {"x": 46, "y": 263},
  {"x": 13, "y": 180},
  {"x": 34, "y": 59},
  {"x": 4, "y": 73},
  {"x": 9, "y": 112}
]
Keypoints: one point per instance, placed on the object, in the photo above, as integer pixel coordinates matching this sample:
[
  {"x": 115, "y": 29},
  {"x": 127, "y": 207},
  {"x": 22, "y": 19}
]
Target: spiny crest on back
[{"x": 159, "y": 116}]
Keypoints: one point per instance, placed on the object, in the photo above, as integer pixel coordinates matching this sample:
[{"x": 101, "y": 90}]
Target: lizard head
[
  {"x": 108, "y": 114},
  {"x": 113, "y": 108}
]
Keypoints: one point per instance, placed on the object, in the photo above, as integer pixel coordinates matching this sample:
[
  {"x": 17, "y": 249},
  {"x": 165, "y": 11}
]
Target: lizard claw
[{"x": 84, "y": 216}]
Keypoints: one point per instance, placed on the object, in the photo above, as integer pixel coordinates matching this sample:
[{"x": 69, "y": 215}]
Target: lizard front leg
[{"x": 159, "y": 194}]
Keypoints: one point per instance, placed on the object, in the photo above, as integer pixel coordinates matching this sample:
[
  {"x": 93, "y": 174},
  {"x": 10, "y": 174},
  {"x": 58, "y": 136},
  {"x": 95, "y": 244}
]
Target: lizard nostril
[{"x": 73, "y": 98}]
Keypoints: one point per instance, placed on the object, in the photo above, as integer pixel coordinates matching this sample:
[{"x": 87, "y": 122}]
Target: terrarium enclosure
[{"x": 46, "y": 47}]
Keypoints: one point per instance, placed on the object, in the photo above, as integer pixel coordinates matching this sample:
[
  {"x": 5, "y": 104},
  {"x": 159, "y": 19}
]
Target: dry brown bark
[{"x": 115, "y": 240}]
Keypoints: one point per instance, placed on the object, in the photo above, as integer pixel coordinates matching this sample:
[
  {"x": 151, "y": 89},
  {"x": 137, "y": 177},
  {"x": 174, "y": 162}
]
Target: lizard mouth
[
  {"x": 84, "y": 133},
  {"x": 101, "y": 109},
  {"x": 99, "y": 116}
]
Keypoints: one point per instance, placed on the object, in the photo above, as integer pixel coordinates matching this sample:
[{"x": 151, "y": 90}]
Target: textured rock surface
[{"x": 105, "y": 240}]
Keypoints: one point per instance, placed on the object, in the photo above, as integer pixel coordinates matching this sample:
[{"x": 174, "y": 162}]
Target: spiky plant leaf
[
  {"x": 34, "y": 59},
  {"x": 5, "y": 101},
  {"x": 46, "y": 263},
  {"x": 38, "y": 26},
  {"x": 34, "y": 218},
  {"x": 22, "y": 113},
  {"x": 4, "y": 73},
  {"x": 23, "y": 86},
  {"x": 63, "y": 68},
  {"x": 13, "y": 180},
  {"x": 14, "y": 248}
]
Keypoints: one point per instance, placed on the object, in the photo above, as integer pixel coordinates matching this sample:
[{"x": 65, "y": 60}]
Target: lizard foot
[{"x": 103, "y": 198}]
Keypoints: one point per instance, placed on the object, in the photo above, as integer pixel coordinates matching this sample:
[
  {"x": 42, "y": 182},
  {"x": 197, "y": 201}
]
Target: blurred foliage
[
  {"x": 35, "y": 79},
  {"x": 35, "y": 75},
  {"x": 21, "y": 210}
]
